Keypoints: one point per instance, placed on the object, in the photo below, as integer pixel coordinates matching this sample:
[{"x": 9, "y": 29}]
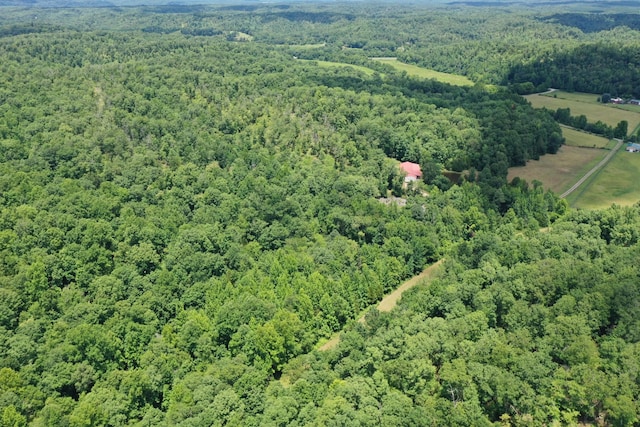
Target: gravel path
[{"x": 593, "y": 170}]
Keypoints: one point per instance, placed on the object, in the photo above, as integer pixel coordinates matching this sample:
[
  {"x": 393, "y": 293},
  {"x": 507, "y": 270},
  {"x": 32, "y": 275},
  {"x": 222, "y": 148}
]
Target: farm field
[
  {"x": 590, "y": 98},
  {"x": 414, "y": 70},
  {"x": 592, "y": 110},
  {"x": 576, "y": 138},
  {"x": 614, "y": 184},
  {"x": 559, "y": 171}
]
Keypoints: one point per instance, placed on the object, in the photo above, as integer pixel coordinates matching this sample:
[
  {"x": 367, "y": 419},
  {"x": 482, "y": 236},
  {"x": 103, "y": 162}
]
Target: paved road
[{"x": 593, "y": 170}]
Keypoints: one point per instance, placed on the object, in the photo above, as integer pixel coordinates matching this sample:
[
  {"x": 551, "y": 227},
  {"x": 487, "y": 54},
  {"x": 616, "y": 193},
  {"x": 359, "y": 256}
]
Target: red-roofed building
[{"x": 412, "y": 171}]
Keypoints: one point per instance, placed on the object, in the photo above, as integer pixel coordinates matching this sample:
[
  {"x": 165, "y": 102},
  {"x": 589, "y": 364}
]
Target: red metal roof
[{"x": 412, "y": 169}]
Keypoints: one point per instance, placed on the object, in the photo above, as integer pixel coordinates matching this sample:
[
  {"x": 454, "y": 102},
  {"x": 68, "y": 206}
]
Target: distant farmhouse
[
  {"x": 618, "y": 100},
  {"x": 633, "y": 148},
  {"x": 412, "y": 171}
]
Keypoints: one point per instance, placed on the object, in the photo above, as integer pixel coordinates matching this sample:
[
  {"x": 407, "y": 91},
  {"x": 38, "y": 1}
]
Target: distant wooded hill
[
  {"x": 593, "y": 68},
  {"x": 591, "y": 23}
]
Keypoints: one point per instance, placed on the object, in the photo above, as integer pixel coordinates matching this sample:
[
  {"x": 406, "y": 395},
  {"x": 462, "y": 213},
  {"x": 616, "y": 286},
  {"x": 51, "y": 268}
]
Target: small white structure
[{"x": 633, "y": 148}]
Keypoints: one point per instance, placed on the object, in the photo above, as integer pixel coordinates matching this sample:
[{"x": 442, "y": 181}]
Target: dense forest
[
  {"x": 596, "y": 22},
  {"x": 593, "y": 68},
  {"x": 520, "y": 329},
  {"x": 190, "y": 202}
]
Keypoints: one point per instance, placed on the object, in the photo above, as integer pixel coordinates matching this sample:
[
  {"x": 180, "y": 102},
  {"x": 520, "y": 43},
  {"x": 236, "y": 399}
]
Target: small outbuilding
[
  {"x": 633, "y": 148},
  {"x": 412, "y": 171}
]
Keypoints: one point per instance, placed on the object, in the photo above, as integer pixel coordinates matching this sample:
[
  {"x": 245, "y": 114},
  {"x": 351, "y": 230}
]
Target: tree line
[{"x": 563, "y": 115}]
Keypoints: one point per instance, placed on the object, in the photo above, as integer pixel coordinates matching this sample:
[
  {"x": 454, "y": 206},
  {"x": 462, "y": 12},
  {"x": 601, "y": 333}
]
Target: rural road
[
  {"x": 548, "y": 91},
  {"x": 389, "y": 301},
  {"x": 593, "y": 170}
]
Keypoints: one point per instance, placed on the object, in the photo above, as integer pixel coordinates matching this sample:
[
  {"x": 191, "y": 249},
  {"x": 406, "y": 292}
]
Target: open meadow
[
  {"x": 589, "y": 98},
  {"x": 560, "y": 171},
  {"x": 576, "y": 138},
  {"x": 586, "y": 104},
  {"x": 412, "y": 70},
  {"x": 615, "y": 183},
  {"x": 425, "y": 73}
]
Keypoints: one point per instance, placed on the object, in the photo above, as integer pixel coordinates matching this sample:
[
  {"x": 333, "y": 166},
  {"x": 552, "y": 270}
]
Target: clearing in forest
[
  {"x": 391, "y": 300},
  {"x": 614, "y": 183},
  {"x": 586, "y": 104},
  {"x": 415, "y": 71}
]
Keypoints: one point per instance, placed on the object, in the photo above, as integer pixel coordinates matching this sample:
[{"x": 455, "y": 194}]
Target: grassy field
[
  {"x": 560, "y": 171},
  {"x": 616, "y": 183},
  {"x": 414, "y": 70},
  {"x": 575, "y": 138},
  {"x": 328, "y": 64},
  {"x": 629, "y": 107},
  {"x": 589, "y": 98},
  {"x": 586, "y": 104}
]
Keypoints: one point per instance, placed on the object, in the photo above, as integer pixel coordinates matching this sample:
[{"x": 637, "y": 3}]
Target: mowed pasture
[
  {"x": 606, "y": 113},
  {"x": 425, "y": 73},
  {"x": 590, "y": 98},
  {"x": 616, "y": 183},
  {"x": 558, "y": 172},
  {"x": 575, "y": 138}
]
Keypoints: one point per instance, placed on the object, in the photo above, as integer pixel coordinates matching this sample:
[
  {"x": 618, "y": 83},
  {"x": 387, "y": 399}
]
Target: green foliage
[
  {"x": 183, "y": 217},
  {"x": 591, "y": 68},
  {"x": 563, "y": 115},
  {"x": 525, "y": 332}
]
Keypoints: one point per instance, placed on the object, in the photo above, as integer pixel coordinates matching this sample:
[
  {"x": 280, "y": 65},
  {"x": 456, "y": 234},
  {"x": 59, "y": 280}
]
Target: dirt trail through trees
[{"x": 391, "y": 300}]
